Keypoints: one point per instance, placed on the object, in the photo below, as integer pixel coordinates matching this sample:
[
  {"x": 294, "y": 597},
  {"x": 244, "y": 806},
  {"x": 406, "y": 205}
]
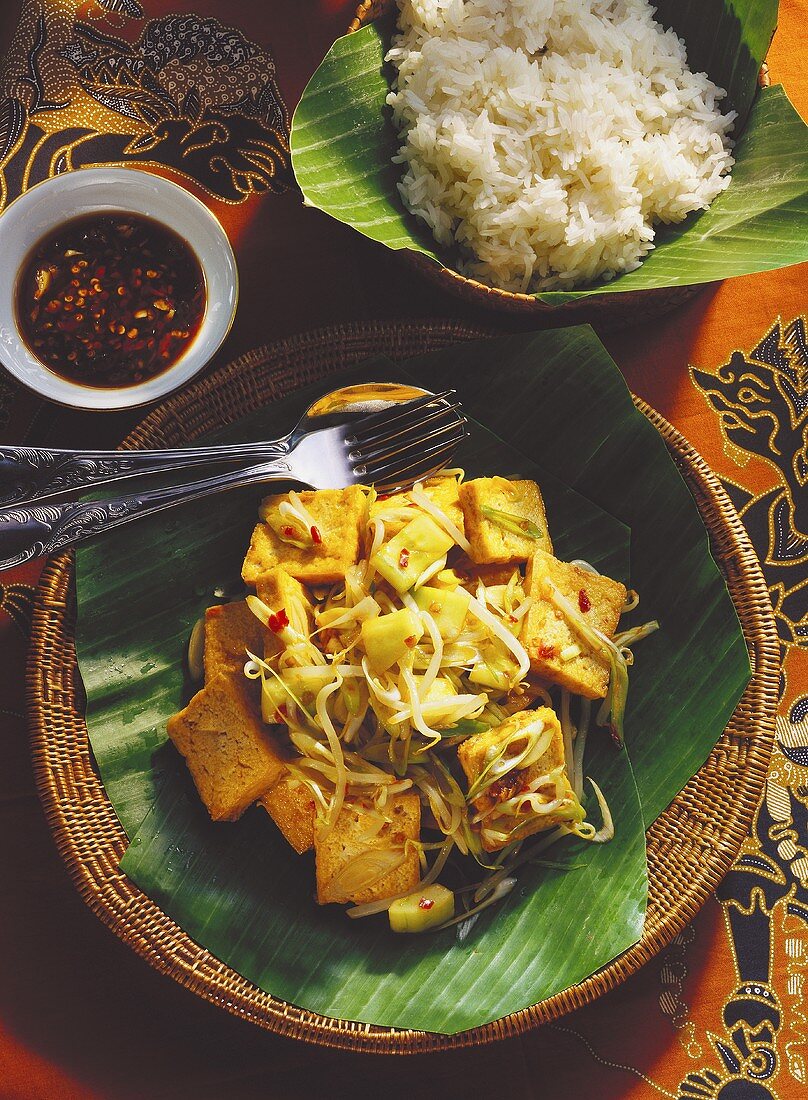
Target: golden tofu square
[
  {"x": 471, "y": 574},
  {"x": 476, "y": 751},
  {"x": 493, "y": 507},
  {"x": 444, "y": 492},
  {"x": 338, "y": 516},
  {"x": 351, "y": 857},
  {"x": 230, "y": 630},
  {"x": 556, "y": 652},
  {"x": 278, "y": 589},
  {"x": 474, "y": 755},
  {"x": 281, "y": 592},
  {"x": 231, "y": 756},
  {"x": 291, "y": 806}
]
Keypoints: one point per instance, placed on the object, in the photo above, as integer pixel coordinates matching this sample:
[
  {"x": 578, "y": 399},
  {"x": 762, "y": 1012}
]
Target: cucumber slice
[
  {"x": 448, "y": 608},
  {"x": 389, "y": 638},
  {"x": 404, "y": 558},
  {"x": 419, "y": 912}
]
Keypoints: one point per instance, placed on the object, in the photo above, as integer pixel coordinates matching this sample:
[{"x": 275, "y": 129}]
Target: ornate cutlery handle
[
  {"x": 30, "y": 531},
  {"x": 32, "y": 473}
]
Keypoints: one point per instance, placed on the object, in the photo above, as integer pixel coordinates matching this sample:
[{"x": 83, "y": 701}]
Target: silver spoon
[
  {"x": 393, "y": 447},
  {"x": 29, "y": 474}
]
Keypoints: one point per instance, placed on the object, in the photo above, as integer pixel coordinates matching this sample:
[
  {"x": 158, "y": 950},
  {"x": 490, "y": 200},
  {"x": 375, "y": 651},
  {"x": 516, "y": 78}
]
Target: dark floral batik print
[
  {"x": 761, "y": 398},
  {"x": 182, "y": 92}
]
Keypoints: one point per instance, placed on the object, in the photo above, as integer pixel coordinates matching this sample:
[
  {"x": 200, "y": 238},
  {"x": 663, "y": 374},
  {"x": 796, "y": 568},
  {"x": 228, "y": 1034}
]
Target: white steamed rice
[{"x": 545, "y": 138}]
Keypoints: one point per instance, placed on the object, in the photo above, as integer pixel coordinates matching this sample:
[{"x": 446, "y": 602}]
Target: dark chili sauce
[{"x": 109, "y": 300}]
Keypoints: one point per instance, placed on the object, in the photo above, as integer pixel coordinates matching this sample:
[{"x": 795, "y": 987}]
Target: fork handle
[
  {"x": 32, "y": 473},
  {"x": 31, "y": 531}
]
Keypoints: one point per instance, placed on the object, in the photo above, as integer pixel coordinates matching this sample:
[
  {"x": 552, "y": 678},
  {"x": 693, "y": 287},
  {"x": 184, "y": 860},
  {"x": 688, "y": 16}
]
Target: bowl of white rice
[
  {"x": 579, "y": 158},
  {"x": 543, "y": 142}
]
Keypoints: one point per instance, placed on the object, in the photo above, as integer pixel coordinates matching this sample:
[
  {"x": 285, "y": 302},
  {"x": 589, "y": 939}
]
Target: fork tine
[
  {"x": 407, "y": 449},
  {"x": 372, "y": 448},
  {"x": 416, "y": 450},
  {"x": 429, "y": 461},
  {"x": 362, "y": 430}
]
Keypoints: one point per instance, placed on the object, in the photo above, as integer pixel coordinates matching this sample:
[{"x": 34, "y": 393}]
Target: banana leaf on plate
[
  {"x": 343, "y": 140},
  {"x": 568, "y": 419}
]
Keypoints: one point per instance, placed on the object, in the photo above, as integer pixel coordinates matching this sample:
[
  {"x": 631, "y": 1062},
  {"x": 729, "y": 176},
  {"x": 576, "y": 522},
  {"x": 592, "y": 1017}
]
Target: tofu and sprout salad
[{"x": 407, "y": 690}]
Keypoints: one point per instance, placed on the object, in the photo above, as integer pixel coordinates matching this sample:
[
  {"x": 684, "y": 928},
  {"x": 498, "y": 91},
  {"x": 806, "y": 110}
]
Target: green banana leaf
[
  {"x": 343, "y": 140},
  {"x": 238, "y": 889}
]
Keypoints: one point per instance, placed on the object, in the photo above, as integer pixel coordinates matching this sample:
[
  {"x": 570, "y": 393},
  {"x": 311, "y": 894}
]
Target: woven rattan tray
[{"x": 690, "y": 847}]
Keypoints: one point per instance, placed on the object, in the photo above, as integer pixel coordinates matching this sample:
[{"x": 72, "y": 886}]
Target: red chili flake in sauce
[
  {"x": 316, "y": 537},
  {"x": 278, "y": 621},
  {"x": 288, "y": 532},
  {"x": 281, "y": 714},
  {"x": 87, "y": 315},
  {"x": 404, "y": 558},
  {"x": 584, "y": 601},
  {"x": 410, "y": 642},
  {"x": 547, "y": 652},
  {"x": 425, "y": 903}
]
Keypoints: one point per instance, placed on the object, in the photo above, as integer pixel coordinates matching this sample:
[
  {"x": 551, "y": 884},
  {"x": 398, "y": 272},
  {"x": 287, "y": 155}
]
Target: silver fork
[
  {"x": 390, "y": 449},
  {"x": 29, "y": 474}
]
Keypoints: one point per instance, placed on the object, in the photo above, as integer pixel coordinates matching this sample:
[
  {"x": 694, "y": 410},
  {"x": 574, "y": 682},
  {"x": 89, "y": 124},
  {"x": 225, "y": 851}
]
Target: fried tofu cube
[
  {"x": 231, "y": 756},
  {"x": 230, "y": 630},
  {"x": 277, "y": 588},
  {"x": 474, "y": 755},
  {"x": 556, "y": 652},
  {"x": 291, "y": 806},
  {"x": 491, "y": 542},
  {"x": 350, "y": 857},
  {"x": 280, "y": 591},
  {"x": 339, "y": 516},
  {"x": 442, "y": 491},
  {"x": 471, "y": 574}
]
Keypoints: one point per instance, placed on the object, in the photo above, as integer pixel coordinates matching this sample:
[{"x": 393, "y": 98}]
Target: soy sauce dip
[{"x": 110, "y": 300}]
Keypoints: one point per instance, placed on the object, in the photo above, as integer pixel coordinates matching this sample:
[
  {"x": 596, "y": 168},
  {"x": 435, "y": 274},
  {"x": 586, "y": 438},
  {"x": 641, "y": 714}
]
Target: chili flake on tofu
[{"x": 110, "y": 299}]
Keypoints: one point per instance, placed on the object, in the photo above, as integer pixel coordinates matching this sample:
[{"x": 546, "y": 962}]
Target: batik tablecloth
[{"x": 202, "y": 96}]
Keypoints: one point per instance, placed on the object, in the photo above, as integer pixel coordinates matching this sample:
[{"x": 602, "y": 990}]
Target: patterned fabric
[
  {"x": 761, "y": 399},
  {"x": 87, "y": 84},
  {"x": 721, "y": 1015}
]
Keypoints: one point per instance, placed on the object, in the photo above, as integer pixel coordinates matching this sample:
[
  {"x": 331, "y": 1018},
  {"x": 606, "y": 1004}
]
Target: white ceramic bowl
[{"x": 102, "y": 190}]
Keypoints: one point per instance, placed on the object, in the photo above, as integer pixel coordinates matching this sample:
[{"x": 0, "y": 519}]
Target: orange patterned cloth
[{"x": 721, "y": 1015}]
